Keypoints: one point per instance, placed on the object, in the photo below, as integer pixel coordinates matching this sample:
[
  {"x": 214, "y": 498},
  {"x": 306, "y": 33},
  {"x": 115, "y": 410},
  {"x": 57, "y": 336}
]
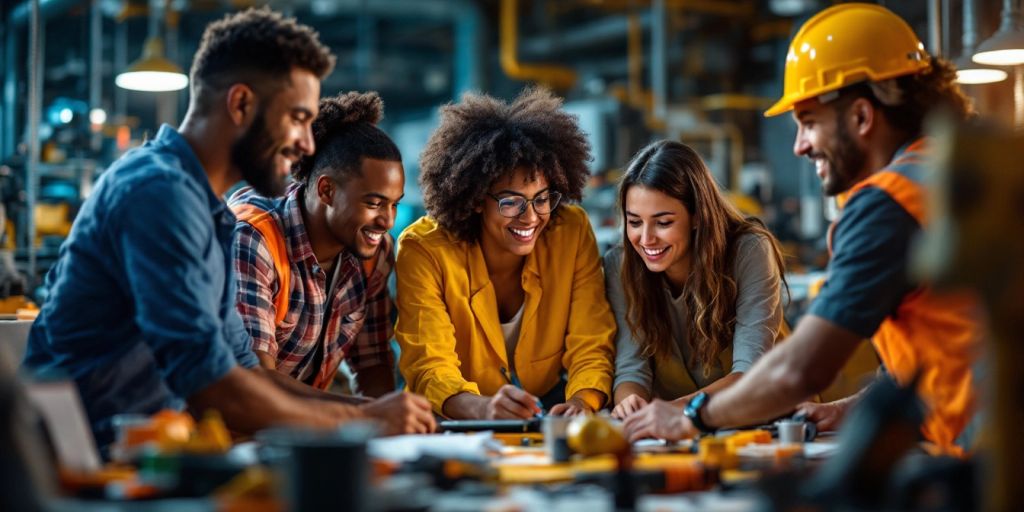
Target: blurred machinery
[{"x": 977, "y": 241}]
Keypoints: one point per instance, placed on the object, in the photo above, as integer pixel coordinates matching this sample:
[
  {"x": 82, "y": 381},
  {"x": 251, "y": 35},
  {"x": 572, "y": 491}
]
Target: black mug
[{"x": 321, "y": 470}]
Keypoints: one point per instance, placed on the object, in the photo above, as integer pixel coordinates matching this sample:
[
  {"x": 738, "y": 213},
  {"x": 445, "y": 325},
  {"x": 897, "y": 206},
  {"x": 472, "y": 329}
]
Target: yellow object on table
[
  {"x": 595, "y": 435},
  {"x": 740, "y": 439}
]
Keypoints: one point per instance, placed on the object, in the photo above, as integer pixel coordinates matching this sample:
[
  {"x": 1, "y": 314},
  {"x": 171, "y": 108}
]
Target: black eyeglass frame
[{"x": 553, "y": 196}]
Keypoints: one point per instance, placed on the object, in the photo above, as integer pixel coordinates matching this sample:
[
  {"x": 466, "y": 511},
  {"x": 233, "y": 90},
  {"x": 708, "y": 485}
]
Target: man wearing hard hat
[{"x": 859, "y": 84}]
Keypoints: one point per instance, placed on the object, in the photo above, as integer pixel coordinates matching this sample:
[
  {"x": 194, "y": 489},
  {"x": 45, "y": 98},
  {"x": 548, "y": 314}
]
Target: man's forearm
[
  {"x": 761, "y": 396},
  {"x": 305, "y": 391},
  {"x": 292, "y": 386},
  {"x": 805, "y": 364},
  {"x": 249, "y": 401}
]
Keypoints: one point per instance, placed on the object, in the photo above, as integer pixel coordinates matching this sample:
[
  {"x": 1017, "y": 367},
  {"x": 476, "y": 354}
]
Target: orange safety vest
[
  {"x": 937, "y": 333},
  {"x": 266, "y": 224}
]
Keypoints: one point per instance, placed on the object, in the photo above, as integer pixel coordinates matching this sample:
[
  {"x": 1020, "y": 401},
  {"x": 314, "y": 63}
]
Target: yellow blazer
[{"x": 448, "y": 325}]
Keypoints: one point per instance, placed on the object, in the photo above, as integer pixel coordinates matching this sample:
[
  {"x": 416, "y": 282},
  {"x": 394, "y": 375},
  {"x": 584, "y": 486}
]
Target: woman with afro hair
[
  {"x": 501, "y": 300},
  {"x": 312, "y": 266}
]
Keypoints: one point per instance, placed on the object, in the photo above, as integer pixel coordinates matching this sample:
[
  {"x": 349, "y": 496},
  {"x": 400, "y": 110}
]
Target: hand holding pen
[{"x": 512, "y": 401}]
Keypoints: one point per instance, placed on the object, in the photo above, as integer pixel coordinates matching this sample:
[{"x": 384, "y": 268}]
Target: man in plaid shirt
[
  {"x": 336, "y": 310},
  {"x": 312, "y": 266}
]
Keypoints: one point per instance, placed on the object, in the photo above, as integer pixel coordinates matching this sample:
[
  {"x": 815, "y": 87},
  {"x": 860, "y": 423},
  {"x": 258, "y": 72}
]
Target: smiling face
[
  {"x": 514, "y": 235},
  {"x": 659, "y": 228},
  {"x": 824, "y": 138},
  {"x": 280, "y": 134},
  {"x": 359, "y": 212}
]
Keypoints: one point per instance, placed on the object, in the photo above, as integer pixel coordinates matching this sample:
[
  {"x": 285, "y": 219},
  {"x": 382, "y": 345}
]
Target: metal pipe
[
  {"x": 607, "y": 30},
  {"x": 120, "y": 62},
  {"x": 95, "y": 65},
  {"x": 635, "y": 49},
  {"x": 468, "y": 51},
  {"x": 558, "y": 77},
  {"x": 366, "y": 46},
  {"x": 1011, "y": 18},
  {"x": 35, "y": 93},
  {"x": 970, "y": 34},
  {"x": 10, "y": 92},
  {"x": 738, "y": 8},
  {"x": 1018, "y": 97},
  {"x": 465, "y": 15},
  {"x": 934, "y": 28},
  {"x": 659, "y": 58},
  {"x": 947, "y": 20},
  {"x": 22, "y": 14},
  {"x": 170, "y": 26}
]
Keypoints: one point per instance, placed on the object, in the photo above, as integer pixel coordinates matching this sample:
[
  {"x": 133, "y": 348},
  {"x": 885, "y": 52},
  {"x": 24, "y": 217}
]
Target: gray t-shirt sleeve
[
  {"x": 630, "y": 366},
  {"x": 758, "y": 301}
]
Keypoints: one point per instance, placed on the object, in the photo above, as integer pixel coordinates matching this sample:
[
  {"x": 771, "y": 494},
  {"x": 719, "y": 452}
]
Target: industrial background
[{"x": 700, "y": 71}]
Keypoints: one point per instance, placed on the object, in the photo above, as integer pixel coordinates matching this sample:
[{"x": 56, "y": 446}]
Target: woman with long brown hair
[{"x": 695, "y": 286}]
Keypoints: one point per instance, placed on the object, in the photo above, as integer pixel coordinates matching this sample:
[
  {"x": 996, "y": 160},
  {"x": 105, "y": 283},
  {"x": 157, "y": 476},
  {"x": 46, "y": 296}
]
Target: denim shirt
[{"x": 141, "y": 305}]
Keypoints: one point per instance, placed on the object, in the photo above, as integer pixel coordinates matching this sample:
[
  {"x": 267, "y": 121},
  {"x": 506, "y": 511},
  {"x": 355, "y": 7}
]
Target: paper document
[{"x": 474, "y": 447}]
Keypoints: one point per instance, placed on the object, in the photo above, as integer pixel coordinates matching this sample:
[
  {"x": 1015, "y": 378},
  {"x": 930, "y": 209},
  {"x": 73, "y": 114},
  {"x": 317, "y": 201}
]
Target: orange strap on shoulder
[{"x": 263, "y": 222}]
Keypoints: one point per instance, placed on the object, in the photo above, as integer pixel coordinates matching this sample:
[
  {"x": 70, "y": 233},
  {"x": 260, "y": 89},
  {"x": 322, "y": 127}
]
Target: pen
[{"x": 512, "y": 379}]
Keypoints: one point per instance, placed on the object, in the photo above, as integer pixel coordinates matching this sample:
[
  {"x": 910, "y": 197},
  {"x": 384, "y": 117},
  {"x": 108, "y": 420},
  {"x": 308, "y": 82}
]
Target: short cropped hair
[{"x": 257, "y": 47}]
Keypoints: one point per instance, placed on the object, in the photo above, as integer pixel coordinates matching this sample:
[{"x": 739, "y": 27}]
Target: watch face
[
  {"x": 693, "y": 408},
  {"x": 697, "y": 402}
]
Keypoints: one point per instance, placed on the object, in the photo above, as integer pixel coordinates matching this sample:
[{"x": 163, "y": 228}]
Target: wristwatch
[{"x": 693, "y": 409}]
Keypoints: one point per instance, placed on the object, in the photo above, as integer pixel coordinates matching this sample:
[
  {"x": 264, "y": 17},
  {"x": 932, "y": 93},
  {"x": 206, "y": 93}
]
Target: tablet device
[{"x": 530, "y": 425}]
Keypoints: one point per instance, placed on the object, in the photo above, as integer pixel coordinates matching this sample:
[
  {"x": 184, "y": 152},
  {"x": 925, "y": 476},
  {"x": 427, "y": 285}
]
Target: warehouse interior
[{"x": 701, "y": 72}]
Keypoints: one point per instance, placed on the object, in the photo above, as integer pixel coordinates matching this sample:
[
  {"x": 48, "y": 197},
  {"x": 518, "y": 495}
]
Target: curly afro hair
[
  {"x": 345, "y": 131},
  {"x": 483, "y": 139},
  {"x": 256, "y": 46}
]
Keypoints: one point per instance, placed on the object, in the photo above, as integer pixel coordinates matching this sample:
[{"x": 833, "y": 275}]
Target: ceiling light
[
  {"x": 1006, "y": 46},
  {"x": 980, "y": 76},
  {"x": 152, "y": 72},
  {"x": 967, "y": 71},
  {"x": 97, "y": 116}
]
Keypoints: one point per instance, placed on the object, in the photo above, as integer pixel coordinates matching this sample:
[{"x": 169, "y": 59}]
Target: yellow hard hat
[{"x": 846, "y": 44}]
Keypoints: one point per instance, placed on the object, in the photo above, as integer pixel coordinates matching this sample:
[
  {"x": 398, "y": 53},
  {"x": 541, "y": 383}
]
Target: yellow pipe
[
  {"x": 636, "y": 96},
  {"x": 728, "y": 101},
  {"x": 635, "y": 61},
  {"x": 735, "y": 155},
  {"x": 769, "y": 30},
  {"x": 557, "y": 77}
]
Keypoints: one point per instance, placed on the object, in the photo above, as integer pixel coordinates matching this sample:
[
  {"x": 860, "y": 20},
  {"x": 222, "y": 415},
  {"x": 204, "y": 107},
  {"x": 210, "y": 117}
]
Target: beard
[
  {"x": 845, "y": 163},
  {"x": 253, "y": 154}
]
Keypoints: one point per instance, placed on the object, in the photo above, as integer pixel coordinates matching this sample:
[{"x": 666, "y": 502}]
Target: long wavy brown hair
[{"x": 676, "y": 170}]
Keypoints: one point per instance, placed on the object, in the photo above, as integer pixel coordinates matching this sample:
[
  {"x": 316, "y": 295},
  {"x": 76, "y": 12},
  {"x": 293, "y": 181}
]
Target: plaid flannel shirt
[{"x": 359, "y": 327}]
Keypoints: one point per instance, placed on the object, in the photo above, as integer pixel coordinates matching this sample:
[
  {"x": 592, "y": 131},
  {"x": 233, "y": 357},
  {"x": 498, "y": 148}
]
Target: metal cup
[
  {"x": 791, "y": 432},
  {"x": 556, "y": 443}
]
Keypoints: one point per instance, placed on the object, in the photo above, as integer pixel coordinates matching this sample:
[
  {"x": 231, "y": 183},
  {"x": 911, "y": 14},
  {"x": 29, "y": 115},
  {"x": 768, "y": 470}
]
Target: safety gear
[
  {"x": 933, "y": 334},
  {"x": 268, "y": 227},
  {"x": 846, "y": 44}
]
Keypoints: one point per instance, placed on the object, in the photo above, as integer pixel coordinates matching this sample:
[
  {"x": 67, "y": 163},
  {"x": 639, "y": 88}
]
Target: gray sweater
[{"x": 758, "y": 321}]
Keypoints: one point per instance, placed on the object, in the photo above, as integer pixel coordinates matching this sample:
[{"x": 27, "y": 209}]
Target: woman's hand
[
  {"x": 511, "y": 402},
  {"x": 660, "y": 420},
  {"x": 628, "y": 406},
  {"x": 572, "y": 407}
]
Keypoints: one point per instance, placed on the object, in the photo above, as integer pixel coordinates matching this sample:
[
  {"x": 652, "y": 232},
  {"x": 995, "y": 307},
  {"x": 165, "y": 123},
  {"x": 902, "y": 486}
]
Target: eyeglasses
[{"x": 514, "y": 206}]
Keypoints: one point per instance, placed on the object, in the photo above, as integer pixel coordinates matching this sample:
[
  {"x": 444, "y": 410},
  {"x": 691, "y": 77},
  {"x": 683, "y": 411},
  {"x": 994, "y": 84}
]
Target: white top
[{"x": 510, "y": 331}]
